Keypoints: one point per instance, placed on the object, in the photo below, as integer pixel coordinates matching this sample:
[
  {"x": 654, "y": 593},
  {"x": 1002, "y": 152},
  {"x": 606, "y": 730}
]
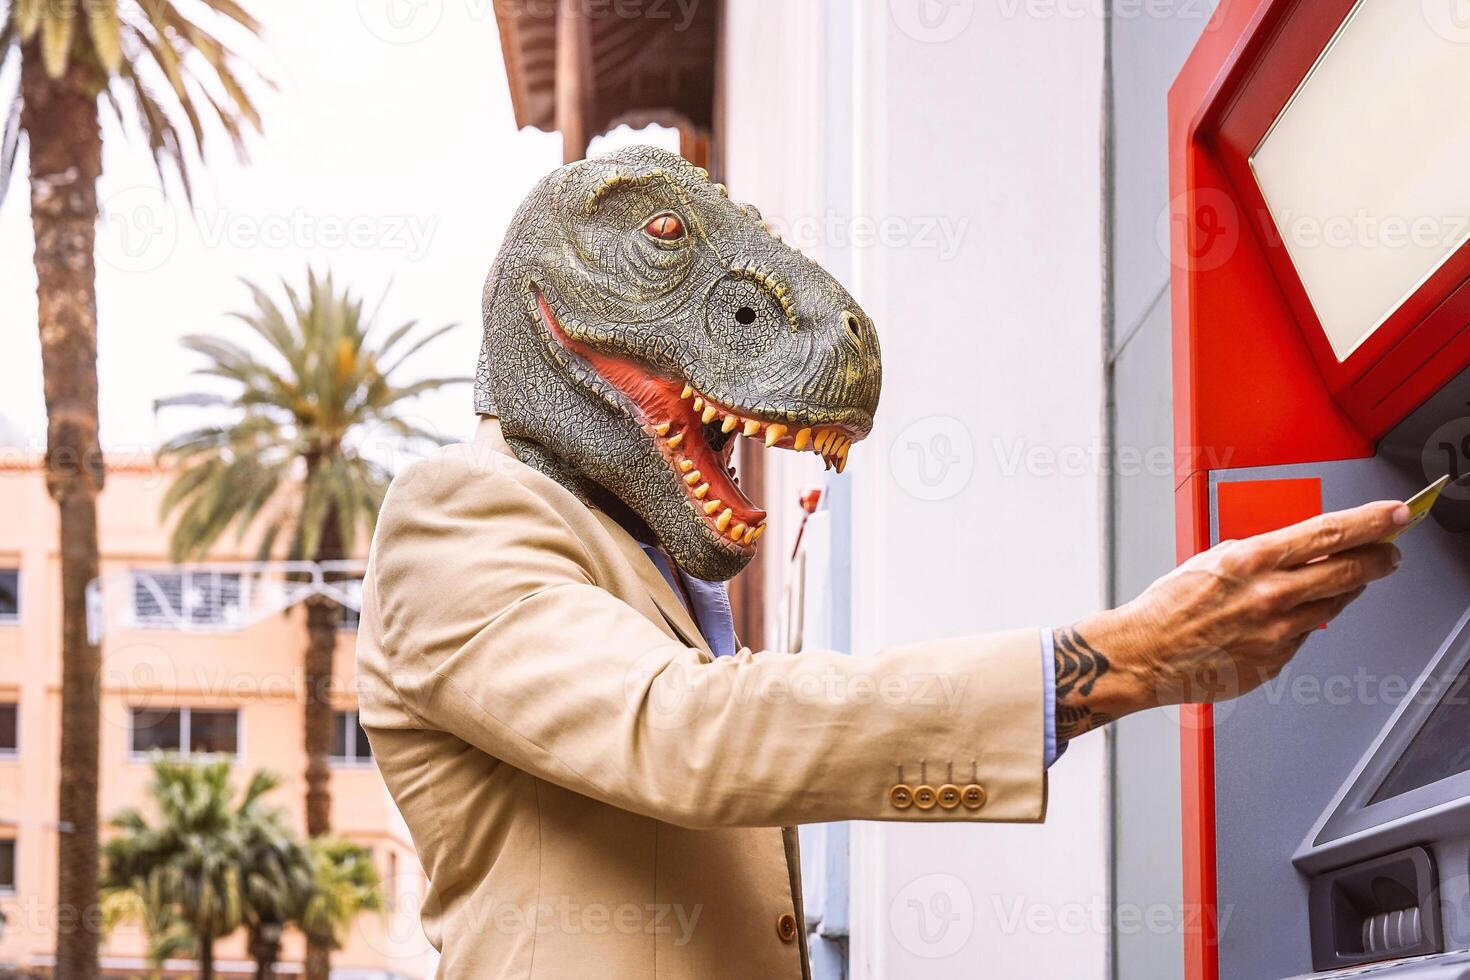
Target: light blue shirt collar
[{"x": 710, "y": 602}]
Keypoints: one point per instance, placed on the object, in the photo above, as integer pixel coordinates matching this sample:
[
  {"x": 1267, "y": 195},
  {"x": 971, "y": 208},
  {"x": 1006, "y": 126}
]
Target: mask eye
[{"x": 665, "y": 227}]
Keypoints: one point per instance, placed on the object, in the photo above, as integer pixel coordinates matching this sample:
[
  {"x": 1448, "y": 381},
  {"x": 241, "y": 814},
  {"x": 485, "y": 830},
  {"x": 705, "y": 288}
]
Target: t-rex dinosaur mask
[{"x": 637, "y": 321}]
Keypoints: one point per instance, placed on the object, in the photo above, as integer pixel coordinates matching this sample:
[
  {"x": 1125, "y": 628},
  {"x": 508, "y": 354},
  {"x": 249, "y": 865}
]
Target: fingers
[
  {"x": 1305, "y": 619},
  {"x": 1336, "y": 575},
  {"x": 1333, "y": 533}
]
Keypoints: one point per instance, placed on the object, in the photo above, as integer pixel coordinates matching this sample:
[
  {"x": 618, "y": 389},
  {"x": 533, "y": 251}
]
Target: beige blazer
[{"x": 592, "y": 793}]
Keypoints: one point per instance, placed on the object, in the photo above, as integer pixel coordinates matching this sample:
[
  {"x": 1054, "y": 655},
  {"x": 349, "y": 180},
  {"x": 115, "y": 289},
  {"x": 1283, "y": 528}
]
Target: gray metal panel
[
  {"x": 1147, "y": 872},
  {"x": 1147, "y": 44},
  {"x": 1150, "y": 41},
  {"x": 1443, "y": 966},
  {"x": 1283, "y": 751}
]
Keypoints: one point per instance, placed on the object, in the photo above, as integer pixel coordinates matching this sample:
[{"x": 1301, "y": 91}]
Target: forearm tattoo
[{"x": 1079, "y": 665}]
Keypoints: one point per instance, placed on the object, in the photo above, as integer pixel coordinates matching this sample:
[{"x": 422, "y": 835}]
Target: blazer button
[
  {"x": 973, "y": 796},
  {"x": 901, "y": 797},
  {"x": 925, "y": 797},
  {"x": 949, "y": 796},
  {"x": 786, "y": 927}
]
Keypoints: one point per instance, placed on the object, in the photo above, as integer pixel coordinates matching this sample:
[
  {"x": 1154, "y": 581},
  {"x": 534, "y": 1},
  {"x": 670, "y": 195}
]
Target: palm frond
[
  {"x": 163, "y": 138},
  {"x": 142, "y": 50},
  {"x": 57, "y": 27},
  {"x": 236, "y": 13},
  {"x": 167, "y": 57},
  {"x": 422, "y": 342},
  {"x": 27, "y": 16},
  {"x": 285, "y": 460},
  {"x": 105, "y": 29},
  {"x": 212, "y": 862},
  {"x": 429, "y": 384}
]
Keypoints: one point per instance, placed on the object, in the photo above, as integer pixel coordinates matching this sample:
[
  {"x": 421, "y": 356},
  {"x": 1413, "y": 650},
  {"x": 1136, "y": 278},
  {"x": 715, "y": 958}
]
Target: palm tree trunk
[
  {"x": 60, "y": 120},
  {"x": 322, "y": 616},
  {"x": 265, "y": 947},
  {"x": 206, "y": 957}
]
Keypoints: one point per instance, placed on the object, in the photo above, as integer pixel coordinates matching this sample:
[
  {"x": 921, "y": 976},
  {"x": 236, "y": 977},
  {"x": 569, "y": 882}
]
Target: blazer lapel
[
  {"x": 653, "y": 580},
  {"x": 489, "y": 437}
]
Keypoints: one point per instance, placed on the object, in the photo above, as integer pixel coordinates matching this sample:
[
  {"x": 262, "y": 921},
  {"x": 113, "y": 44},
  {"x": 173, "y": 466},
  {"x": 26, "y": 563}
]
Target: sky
[{"x": 390, "y": 156}]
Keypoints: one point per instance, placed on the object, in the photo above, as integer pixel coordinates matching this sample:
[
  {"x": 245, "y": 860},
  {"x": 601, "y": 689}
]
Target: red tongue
[{"x": 658, "y": 400}]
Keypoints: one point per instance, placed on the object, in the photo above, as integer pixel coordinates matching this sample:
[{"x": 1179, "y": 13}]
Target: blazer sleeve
[{"x": 492, "y": 629}]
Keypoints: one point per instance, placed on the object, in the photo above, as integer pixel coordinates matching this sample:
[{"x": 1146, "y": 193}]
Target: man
[{"x": 596, "y": 778}]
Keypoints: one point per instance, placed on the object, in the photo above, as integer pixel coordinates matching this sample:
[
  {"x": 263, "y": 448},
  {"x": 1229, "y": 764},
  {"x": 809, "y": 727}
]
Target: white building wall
[{"x": 944, "y": 160}]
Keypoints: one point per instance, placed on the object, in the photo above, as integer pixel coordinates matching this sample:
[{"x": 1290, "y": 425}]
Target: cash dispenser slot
[{"x": 1383, "y": 908}]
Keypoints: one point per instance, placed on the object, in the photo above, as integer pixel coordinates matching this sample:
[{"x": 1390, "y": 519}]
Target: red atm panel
[{"x": 1258, "y": 384}]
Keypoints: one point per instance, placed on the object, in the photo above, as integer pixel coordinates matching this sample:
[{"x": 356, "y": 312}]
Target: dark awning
[{"x": 582, "y": 67}]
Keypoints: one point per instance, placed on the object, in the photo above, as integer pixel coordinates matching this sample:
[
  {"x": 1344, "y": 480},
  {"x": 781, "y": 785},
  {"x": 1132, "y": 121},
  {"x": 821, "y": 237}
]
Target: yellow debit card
[{"x": 1419, "y": 508}]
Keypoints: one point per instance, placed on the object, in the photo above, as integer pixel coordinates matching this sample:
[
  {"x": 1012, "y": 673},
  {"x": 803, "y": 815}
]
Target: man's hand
[{"x": 1224, "y": 622}]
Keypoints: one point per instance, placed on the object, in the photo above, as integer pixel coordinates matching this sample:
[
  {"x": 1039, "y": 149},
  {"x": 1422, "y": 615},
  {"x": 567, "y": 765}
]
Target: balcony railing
[{"x": 215, "y": 597}]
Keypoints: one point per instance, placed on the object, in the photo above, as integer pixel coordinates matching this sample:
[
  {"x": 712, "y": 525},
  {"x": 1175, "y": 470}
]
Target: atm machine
[{"x": 1320, "y": 240}]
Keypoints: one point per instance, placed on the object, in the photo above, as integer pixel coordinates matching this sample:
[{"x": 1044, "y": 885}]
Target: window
[
  {"x": 9, "y": 730},
  {"x": 187, "y": 731},
  {"x": 349, "y": 742},
  {"x": 9, "y": 595},
  {"x": 175, "y": 600},
  {"x": 351, "y": 612},
  {"x": 7, "y": 866}
]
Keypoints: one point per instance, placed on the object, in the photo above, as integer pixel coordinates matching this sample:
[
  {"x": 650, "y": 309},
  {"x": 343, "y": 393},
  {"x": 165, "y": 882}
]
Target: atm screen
[
  {"x": 1421, "y": 760},
  {"x": 1440, "y": 749}
]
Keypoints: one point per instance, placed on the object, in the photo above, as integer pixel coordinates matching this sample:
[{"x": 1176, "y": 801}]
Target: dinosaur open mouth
[{"x": 695, "y": 435}]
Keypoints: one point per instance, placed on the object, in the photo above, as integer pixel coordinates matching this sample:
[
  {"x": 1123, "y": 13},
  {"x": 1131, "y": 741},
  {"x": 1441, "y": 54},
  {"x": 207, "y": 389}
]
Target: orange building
[{"x": 196, "y": 660}]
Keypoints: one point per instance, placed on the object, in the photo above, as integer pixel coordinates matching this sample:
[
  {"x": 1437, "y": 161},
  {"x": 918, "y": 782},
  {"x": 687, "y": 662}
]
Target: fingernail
[
  {"x": 1401, "y": 515},
  {"x": 1397, "y": 559}
]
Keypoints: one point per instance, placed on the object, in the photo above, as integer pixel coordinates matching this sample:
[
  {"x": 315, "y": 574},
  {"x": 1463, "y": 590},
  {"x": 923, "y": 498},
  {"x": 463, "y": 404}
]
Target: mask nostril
[
  {"x": 854, "y": 326},
  {"x": 745, "y": 315}
]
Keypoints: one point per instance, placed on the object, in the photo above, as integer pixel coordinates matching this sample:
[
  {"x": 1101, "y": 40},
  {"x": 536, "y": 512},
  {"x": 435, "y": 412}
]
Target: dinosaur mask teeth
[
  {"x": 675, "y": 416},
  {"x": 832, "y": 443}
]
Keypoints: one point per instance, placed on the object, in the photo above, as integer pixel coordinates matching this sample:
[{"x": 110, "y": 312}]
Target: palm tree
[
  {"x": 71, "y": 54},
  {"x": 191, "y": 876},
  {"x": 211, "y": 865},
  {"x": 346, "y": 884},
  {"x": 279, "y": 886},
  {"x": 284, "y": 462}
]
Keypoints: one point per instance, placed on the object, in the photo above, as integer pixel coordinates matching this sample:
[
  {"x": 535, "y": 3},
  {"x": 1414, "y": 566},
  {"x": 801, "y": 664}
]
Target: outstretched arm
[{"x": 1223, "y": 623}]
